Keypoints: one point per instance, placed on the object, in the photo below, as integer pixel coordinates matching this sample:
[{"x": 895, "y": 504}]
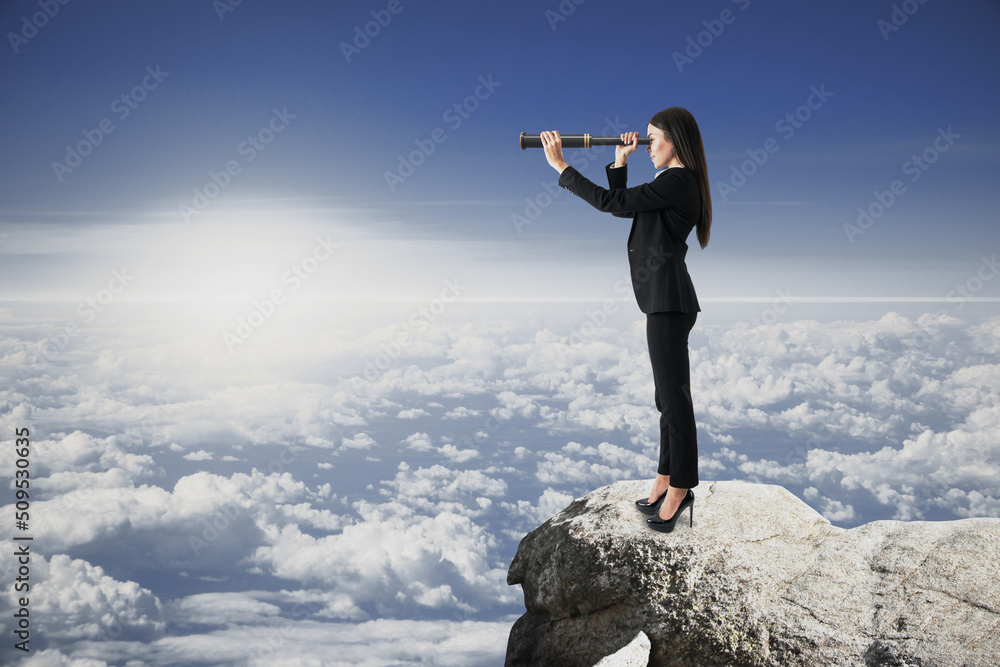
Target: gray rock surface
[
  {"x": 761, "y": 579},
  {"x": 635, "y": 654}
]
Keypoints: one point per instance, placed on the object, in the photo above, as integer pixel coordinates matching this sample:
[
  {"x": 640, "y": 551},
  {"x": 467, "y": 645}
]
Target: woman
[{"x": 663, "y": 212}]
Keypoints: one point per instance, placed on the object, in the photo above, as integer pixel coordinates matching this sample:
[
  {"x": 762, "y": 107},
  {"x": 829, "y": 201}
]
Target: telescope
[{"x": 577, "y": 141}]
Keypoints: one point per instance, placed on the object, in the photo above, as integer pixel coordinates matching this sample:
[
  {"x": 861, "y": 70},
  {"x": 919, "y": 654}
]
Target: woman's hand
[
  {"x": 631, "y": 141},
  {"x": 552, "y": 143}
]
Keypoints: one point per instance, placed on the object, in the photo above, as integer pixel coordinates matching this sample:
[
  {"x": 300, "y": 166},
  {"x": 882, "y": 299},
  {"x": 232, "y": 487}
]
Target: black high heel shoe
[
  {"x": 667, "y": 525},
  {"x": 650, "y": 507}
]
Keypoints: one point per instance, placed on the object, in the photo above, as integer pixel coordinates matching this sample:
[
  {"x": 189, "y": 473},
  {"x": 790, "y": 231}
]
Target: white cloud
[
  {"x": 440, "y": 483},
  {"x": 456, "y": 455},
  {"x": 223, "y": 609},
  {"x": 393, "y": 555},
  {"x": 293, "y": 643},
  {"x": 462, "y": 413},
  {"x": 889, "y": 418},
  {"x": 926, "y": 470},
  {"x": 201, "y": 521},
  {"x": 578, "y": 466},
  {"x": 51, "y": 657},
  {"x": 420, "y": 442},
  {"x": 550, "y": 503},
  {"x": 78, "y": 600},
  {"x": 77, "y": 452},
  {"x": 360, "y": 441}
]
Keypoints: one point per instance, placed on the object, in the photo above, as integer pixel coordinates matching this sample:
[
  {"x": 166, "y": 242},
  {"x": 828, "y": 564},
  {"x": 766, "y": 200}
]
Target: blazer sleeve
[
  {"x": 617, "y": 178},
  {"x": 666, "y": 191}
]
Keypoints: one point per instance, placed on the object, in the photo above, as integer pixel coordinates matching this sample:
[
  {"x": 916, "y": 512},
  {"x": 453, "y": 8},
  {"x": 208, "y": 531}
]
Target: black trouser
[{"x": 667, "y": 336}]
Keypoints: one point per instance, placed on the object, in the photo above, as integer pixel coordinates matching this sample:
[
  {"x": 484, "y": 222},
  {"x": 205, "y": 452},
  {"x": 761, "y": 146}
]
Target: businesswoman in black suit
[{"x": 663, "y": 213}]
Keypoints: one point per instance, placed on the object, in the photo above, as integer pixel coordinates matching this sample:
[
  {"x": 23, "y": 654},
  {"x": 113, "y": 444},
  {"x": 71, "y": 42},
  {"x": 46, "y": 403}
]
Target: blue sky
[
  {"x": 344, "y": 125},
  {"x": 276, "y": 400}
]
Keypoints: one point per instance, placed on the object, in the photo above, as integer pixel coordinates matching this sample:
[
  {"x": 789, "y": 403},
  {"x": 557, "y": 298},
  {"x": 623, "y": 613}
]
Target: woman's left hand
[{"x": 552, "y": 143}]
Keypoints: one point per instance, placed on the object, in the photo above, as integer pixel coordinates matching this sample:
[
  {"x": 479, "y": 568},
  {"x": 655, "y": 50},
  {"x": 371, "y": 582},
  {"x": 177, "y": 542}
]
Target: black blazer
[{"x": 663, "y": 213}]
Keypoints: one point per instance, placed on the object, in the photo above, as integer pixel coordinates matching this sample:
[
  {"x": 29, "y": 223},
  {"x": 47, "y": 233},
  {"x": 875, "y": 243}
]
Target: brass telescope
[{"x": 577, "y": 141}]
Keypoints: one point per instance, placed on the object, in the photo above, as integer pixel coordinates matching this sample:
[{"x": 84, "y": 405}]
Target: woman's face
[{"x": 660, "y": 149}]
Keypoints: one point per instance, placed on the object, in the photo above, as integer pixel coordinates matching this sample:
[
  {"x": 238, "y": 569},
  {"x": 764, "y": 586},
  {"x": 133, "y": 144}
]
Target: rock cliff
[{"x": 761, "y": 579}]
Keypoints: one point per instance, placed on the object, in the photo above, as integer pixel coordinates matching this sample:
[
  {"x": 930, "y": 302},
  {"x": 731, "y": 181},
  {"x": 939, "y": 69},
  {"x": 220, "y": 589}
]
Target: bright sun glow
[{"x": 236, "y": 257}]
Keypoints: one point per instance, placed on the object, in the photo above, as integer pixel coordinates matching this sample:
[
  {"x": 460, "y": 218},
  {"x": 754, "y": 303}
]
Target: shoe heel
[{"x": 667, "y": 525}]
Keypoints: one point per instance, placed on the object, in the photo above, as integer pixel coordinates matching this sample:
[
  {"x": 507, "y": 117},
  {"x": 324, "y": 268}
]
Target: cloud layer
[{"x": 192, "y": 504}]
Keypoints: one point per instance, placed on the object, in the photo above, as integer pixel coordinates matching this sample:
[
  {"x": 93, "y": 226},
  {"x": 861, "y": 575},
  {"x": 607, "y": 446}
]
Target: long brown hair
[{"x": 682, "y": 130}]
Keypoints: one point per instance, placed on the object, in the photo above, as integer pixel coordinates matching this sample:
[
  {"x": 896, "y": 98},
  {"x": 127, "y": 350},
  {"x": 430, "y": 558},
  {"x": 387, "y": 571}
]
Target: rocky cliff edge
[{"x": 761, "y": 579}]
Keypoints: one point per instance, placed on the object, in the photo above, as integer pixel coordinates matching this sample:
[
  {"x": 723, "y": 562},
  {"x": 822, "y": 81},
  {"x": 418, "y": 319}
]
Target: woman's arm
[
  {"x": 666, "y": 191},
  {"x": 618, "y": 178},
  {"x": 597, "y": 196}
]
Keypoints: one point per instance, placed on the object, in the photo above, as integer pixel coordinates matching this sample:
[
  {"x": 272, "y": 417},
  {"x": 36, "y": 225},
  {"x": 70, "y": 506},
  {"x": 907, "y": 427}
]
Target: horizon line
[{"x": 541, "y": 299}]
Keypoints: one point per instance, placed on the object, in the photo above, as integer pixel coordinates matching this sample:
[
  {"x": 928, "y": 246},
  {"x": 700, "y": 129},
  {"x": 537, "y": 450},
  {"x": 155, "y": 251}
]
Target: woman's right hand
[{"x": 631, "y": 141}]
